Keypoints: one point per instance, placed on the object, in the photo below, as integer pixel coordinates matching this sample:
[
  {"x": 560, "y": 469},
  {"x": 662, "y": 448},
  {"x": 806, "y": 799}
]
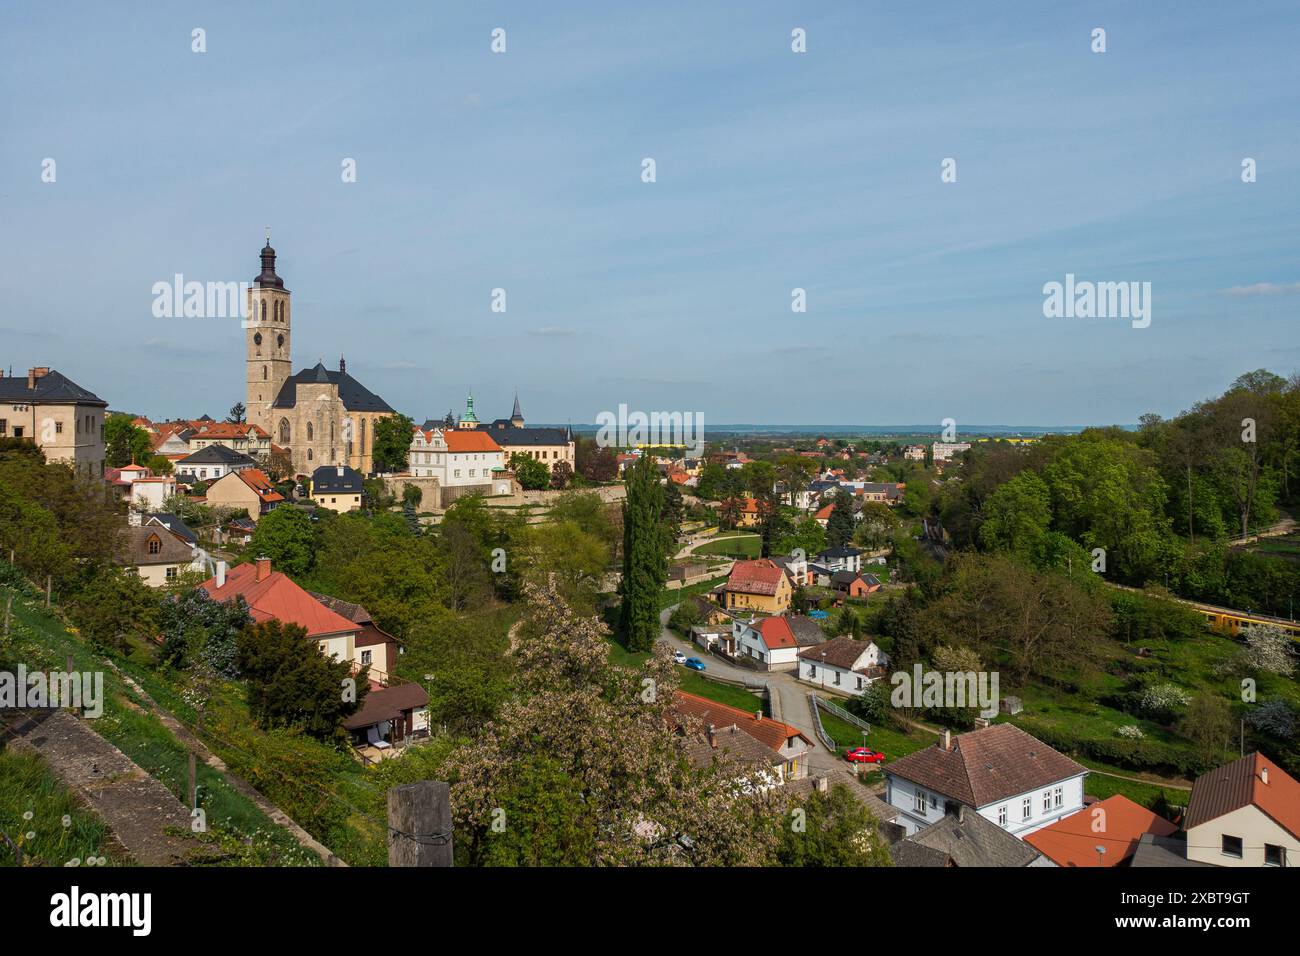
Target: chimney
[
  {"x": 263, "y": 569},
  {"x": 961, "y": 812},
  {"x": 946, "y": 740},
  {"x": 340, "y": 471},
  {"x": 34, "y": 373},
  {"x": 712, "y": 741},
  {"x": 1263, "y": 776},
  {"x": 758, "y": 715},
  {"x": 823, "y": 784},
  {"x": 221, "y": 574}
]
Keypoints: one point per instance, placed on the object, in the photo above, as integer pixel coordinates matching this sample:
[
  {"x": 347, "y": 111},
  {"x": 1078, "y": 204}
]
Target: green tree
[
  {"x": 285, "y": 535},
  {"x": 645, "y": 562},
  {"x": 1208, "y": 725},
  {"x": 834, "y": 829},
  {"x": 532, "y": 475},
  {"x": 839, "y": 527},
  {"x": 238, "y": 412},
  {"x": 124, "y": 442},
  {"x": 292, "y": 684},
  {"x": 392, "y": 442},
  {"x": 113, "y": 606}
]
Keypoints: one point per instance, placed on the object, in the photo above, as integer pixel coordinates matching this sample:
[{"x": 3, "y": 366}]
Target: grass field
[
  {"x": 60, "y": 828},
  {"x": 733, "y": 546},
  {"x": 732, "y": 696}
]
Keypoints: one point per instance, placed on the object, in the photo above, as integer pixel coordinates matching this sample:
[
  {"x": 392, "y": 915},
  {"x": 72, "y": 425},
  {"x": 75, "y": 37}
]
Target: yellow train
[{"x": 1230, "y": 622}]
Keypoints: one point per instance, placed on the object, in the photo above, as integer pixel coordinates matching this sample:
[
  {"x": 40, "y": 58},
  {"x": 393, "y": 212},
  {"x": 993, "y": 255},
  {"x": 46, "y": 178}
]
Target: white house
[
  {"x": 459, "y": 458},
  {"x": 1246, "y": 813},
  {"x": 1001, "y": 772},
  {"x": 212, "y": 462},
  {"x": 768, "y": 640},
  {"x": 840, "y": 559},
  {"x": 843, "y": 665}
]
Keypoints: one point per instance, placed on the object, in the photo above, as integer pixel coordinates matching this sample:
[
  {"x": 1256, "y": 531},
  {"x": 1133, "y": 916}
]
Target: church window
[
  {"x": 309, "y": 450},
  {"x": 284, "y": 431},
  {"x": 263, "y": 310},
  {"x": 264, "y": 373},
  {"x": 257, "y": 338},
  {"x": 280, "y": 341},
  {"x": 310, "y": 431}
]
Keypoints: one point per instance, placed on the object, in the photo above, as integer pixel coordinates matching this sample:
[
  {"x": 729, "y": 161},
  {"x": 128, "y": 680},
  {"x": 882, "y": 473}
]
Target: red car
[{"x": 863, "y": 755}]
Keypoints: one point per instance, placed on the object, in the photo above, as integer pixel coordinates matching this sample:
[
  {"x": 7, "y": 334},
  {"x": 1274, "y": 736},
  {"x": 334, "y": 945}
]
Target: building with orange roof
[
  {"x": 1246, "y": 813},
  {"x": 701, "y": 714},
  {"x": 272, "y": 595},
  {"x": 758, "y": 585},
  {"x": 1107, "y": 833},
  {"x": 769, "y": 641},
  {"x": 464, "y": 461},
  {"x": 249, "y": 489},
  {"x": 242, "y": 437}
]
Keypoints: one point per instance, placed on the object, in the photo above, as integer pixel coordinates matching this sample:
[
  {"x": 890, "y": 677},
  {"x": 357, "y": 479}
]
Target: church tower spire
[
  {"x": 517, "y": 417},
  {"x": 266, "y": 343}
]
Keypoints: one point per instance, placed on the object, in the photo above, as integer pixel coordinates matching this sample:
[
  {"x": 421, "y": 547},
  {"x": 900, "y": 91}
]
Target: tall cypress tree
[{"x": 645, "y": 556}]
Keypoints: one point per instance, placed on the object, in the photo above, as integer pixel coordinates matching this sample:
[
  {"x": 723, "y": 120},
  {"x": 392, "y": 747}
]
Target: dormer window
[{"x": 155, "y": 544}]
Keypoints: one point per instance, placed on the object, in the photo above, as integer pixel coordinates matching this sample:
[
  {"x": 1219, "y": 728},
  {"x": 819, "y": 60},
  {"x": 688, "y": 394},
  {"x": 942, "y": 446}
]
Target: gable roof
[
  {"x": 963, "y": 839},
  {"x": 134, "y": 549},
  {"x": 807, "y": 632},
  {"x": 52, "y": 388},
  {"x": 1071, "y": 841},
  {"x": 175, "y": 525},
  {"x": 468, "y": 440},
  {"x": 278, "y": 597},
  {"x": 776, "y": 633},
  {"x": 217, "y": 455},
  {"x": 354, "y": 396},
  {"x": 1241, "y": 784},
  {"x": 386, "y": 703},
  {"x": 759, "y": 576},
  {"x": 771, "y": 733},
  {"x": 730, "y": 743},
  {"x": 842, "y": 652},
  {"x": 508, "y": 435},
  {"x": 986, "y": 765}
]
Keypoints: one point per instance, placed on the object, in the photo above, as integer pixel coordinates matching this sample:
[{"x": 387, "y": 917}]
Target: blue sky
[{"x": 775, "y": 170}]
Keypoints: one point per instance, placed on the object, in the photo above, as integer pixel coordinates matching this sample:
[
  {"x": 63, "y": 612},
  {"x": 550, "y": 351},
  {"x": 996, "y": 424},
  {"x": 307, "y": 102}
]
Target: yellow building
[
  {"x": 759, "y": 585},
  {"x": 63, "y": 419}
]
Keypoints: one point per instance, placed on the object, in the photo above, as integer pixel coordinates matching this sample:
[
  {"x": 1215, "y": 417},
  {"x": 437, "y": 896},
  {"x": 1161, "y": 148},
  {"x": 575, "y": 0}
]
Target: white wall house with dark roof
[{"x": 1007, "y": 776}]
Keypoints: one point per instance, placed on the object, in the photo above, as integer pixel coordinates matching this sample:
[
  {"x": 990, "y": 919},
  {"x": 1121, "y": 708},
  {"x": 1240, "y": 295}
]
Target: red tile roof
[
  {"x": 824, "y": 513},
  {"x": 1117, "y": 823},
  {"x": 760, "y": 576},
  {"x": 1241, "y": 784},
  {"x": 257, "y": 480},
  {"x": 767, "y": 731},
  {"x": 276, "y": 596},
  {"x": 776, "y": 633}
]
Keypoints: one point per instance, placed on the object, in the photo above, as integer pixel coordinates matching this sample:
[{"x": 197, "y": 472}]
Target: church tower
[{"x": 266, "y": 333}]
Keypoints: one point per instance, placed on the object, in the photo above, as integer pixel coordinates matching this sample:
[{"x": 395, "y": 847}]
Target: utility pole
[{"x": 419, "y": 824}]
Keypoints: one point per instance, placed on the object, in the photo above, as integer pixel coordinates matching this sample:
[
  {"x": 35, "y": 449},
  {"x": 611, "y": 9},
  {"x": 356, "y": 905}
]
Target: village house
[
  {"x": 1246, "y": 813},
  {"x": 464, "y": 461},
  {"x": 337, "y": 487},
  {"x": 157, "y": 555},
  {"x": 244, "y": 437},
  {"x": 842, "y": 558},
  {"x": 212, "y": 462},
  {"x": 788, "y": 743},
  {"x": 768, "y": 640},
  {"x": 64, "y": 420},
  {"x": 851, "y": 584},
  {"x": 843, "y": 664},
  {"x": 248, "y": 489},
  {"x": 757, "y": 585},
  {"x": 964, "y": 838},
  {"x": 140, "y": 487},
  {"x": 1009, "y": 777}
]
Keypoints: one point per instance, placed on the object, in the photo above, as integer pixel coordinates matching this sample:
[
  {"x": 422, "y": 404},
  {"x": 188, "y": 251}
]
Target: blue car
[{"x": 695, "y": 664}]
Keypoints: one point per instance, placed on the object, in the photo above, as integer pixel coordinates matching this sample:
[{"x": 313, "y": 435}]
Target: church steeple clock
[{"x": 267, "y": 342}]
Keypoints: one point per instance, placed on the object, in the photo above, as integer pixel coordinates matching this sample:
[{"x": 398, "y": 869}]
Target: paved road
[{"x": 789, "y": 697}]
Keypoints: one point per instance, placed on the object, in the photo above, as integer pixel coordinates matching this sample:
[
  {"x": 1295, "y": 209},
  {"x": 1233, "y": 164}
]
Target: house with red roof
[
  {"x": 464, "y": 460},
  {"x": 787, "y": 744},
  {"x": 249, "y": 489},
  {"x": 769, "y": 641},
  {"x": 1107, "y": 833},
  {"x": 757, "y": 585},
  {"x": 1246, "y": 813}
]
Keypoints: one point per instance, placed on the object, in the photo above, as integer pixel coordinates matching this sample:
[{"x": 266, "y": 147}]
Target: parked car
[
  {"x": 679, "y": 657},
  {"x": 863, "y": 755},
  {"x": 695, "y": 664}
]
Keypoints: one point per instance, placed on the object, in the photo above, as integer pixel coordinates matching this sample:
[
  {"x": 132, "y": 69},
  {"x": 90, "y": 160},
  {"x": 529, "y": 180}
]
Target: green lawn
[
  {"x": 891, "y": 742},
  {"x": 733, "y": 546},
  {"x": 1141, "y": 793},
  {"x": 695, "y": 683},
  {"x": 28, "y": 786}
]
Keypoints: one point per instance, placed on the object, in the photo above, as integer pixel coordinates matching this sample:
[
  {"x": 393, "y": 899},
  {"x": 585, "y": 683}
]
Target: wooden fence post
[
  {"x": 419, "y": 824},
  {"x": 193, "y": 783}
]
